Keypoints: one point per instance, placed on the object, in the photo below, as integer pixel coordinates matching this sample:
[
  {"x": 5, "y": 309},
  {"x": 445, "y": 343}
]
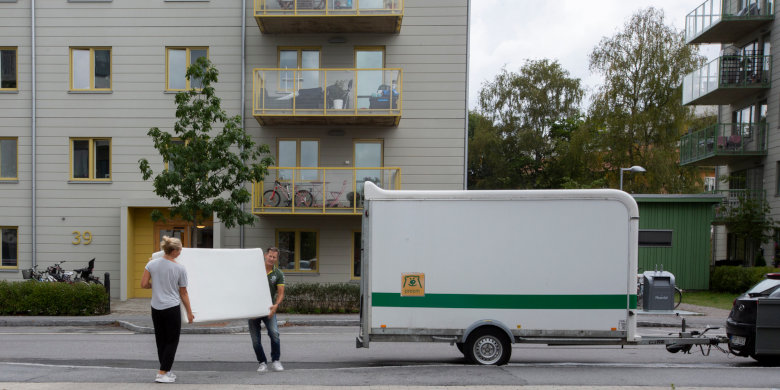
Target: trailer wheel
[{"x": 488, "y": 347}]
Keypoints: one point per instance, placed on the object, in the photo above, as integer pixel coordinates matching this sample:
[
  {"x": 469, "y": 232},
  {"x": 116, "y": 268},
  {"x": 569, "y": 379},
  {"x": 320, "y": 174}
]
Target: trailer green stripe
[{"x": 495, "y": 301}]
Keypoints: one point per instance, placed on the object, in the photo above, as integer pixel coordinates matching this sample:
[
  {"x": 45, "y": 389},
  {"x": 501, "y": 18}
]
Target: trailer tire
[{"x": 488, "y": 347}]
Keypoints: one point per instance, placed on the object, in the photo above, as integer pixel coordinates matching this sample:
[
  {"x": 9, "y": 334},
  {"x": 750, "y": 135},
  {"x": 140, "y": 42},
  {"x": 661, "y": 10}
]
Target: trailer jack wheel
[{"x": 488, "y": 347}]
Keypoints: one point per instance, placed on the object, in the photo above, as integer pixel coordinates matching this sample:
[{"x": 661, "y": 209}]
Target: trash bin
[{"x": 658, "y": 291}]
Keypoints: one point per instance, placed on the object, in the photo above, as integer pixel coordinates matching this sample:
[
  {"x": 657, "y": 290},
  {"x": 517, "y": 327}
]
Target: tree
[
  {"x": 750, "y": 220},
  {"x": 638, "y": 108},
  {"x": 517, "y": 111},
  {"x": 209, "y": 166}
]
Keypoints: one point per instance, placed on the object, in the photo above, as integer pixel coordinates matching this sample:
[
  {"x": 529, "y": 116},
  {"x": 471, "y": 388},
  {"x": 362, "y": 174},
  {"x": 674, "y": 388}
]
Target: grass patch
[{"x": 719, "y": 300}]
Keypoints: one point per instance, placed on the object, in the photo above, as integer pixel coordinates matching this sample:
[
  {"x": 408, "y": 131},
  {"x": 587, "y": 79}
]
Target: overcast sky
[{"x": 508, "y": 32}]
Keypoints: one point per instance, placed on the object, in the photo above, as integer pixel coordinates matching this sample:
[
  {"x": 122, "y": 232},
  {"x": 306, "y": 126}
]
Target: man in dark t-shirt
[{"x": 276, "y": 284}]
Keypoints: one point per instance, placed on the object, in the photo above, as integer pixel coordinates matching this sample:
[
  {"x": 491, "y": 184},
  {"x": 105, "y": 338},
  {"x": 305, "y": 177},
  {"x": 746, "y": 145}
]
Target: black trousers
[{"x": 167, "y": 328}]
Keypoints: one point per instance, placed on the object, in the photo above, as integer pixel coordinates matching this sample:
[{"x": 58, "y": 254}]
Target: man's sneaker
[
  {"x": 263, "y": 368},
  {"x": 164, "y": 378},
  {"x": 276, "y": 366}
]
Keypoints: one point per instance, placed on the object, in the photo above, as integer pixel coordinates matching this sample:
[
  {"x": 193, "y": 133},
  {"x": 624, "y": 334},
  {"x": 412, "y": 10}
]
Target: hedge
[
  {"x": 736, "y": 279},
  {"x": 314, "y": 298},
  {"x": 52, "y": 299}
]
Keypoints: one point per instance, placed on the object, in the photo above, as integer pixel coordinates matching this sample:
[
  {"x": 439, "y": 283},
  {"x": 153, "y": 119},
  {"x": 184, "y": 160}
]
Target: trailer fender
[{"x": 491, "y": 323}]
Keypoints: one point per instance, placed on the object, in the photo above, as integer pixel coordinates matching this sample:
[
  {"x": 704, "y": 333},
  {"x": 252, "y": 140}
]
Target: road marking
[{"x": 63, "y": 333}]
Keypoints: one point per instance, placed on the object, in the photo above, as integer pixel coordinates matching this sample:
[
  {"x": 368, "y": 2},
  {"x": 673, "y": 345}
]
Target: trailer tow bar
[{"x": 685, "y": 346}]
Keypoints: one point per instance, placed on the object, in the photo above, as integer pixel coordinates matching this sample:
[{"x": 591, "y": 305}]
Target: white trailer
[{"x": 484, "y": 269}]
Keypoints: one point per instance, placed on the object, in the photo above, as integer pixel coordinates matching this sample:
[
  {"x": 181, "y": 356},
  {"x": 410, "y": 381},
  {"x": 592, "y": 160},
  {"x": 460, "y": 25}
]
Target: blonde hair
[{"x": 170, "y": 244}]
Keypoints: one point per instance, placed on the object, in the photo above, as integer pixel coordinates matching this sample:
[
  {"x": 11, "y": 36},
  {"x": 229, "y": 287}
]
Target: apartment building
[
  {"x": 343, "y": 91},
  {"x": 744, "y": 145}
]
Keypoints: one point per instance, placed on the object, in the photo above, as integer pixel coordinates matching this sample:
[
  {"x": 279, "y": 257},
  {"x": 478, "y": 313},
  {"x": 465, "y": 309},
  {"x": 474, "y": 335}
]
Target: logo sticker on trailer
[{"x": 413, "y": 285}]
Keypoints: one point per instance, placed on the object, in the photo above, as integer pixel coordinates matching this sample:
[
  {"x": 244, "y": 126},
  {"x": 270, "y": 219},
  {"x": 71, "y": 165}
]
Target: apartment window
[
  {"x": 369, "y": 81},
  {"x": 90, "y": 69},
  {"x": 368, "y": 153},
  {"x": 177, "y": 60},
  {"x": 90, "y": 159},
  {"x": 655, "y": 238},
  {"x": 356, "y": 254},
  {"x": 299, "y": 58},
  {"x": 8, "y": 74},
  {"x": 10, "y": 250},
  {"x": 299, "y": 153},
  {"x": 298, "y": 250},
  {"x": 8, "y": 159}
]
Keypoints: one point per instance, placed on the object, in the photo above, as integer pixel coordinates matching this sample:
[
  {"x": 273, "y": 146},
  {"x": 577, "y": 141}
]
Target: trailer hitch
[{"x": 685, "y": 347}]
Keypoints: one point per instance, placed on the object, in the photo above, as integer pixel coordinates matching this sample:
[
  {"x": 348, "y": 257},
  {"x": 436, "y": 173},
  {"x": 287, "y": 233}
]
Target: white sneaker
[
  {"x": 171, "y": 374},
  {"x": 164, "y": 378},
  {"x": 276, "y": 366},
  {"x": 263, "y": 368}
]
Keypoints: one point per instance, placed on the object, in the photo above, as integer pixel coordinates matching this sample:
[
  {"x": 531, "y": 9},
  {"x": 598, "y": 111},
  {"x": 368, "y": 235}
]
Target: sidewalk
[{"x": 134, "y": 315}]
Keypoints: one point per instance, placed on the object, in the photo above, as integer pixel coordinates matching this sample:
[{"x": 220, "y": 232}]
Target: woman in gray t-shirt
[{"x": 168, "y": 281}]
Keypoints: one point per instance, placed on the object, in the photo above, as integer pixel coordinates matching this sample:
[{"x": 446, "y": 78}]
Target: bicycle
[
  {"x": 329, "y": 198},
  {"x": 273, "y": 197}
]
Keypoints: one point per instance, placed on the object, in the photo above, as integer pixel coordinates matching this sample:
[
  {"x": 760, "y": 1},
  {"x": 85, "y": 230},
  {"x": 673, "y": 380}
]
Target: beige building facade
[{"x": 342, "y": 91}]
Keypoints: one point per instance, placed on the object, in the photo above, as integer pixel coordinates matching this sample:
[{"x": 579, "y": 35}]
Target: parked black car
[{"x": 741, "y": 324}]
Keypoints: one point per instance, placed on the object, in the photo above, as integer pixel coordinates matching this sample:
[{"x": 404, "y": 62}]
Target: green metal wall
[{"x": 689, "y": 256}]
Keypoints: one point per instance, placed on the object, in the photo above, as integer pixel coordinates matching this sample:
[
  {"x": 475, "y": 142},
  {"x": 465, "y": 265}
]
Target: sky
[{"x": 509, "y": 32}]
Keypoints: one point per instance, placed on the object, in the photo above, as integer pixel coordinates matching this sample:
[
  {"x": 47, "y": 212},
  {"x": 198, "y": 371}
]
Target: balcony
[
  {"x": 724, "y": 143},
  {"x": 733, "y": 199},
  {"x": 726, "y": 21},
  {"x": 727, "y": 79},
  {"x": 329, "y": 16},
  {"x": 319, "y": 191},
  {"x": 369, "y": 97}
]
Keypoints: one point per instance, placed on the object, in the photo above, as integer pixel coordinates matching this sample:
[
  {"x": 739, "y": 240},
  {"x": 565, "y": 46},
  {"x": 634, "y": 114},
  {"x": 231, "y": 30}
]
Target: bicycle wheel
[
  {"x": 677, "y": 297},
  {"x": 271, "y": 198},
  {"x": 303, "y": 198}
]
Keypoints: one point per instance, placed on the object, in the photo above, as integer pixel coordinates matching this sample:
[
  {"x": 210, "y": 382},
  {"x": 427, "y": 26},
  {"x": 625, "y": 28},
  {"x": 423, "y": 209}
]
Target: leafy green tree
[
  {"x": 751, "y": 220},
  {"x": 209, "y": 170},
  {"x": 512, "y": 141},
  {"x": 638, "y": 108}
]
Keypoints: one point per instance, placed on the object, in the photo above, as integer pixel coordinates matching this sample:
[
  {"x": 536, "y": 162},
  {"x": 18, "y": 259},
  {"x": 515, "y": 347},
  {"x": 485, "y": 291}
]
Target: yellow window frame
[
  {"x": 352, "y": 257},
  {"x": 381, "y": 143},
  {"x": 298, "y": 153},
  {"x": 17, "y": 158},
  {"x": 299, "y": 62},
  {"x": 297, "y": 249},
  {"x": 188, "y": 50},
  {"x": 16, "y": 67},
  {"x": 92, "y": 68},
  {"x": 370, "y": 48},
  {"x": 15, "y": 228},
  {"x": 92, "y": 159}
]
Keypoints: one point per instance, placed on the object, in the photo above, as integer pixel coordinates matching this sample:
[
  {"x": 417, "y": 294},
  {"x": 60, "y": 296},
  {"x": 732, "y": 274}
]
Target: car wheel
[
  {"x": 488, "y": 347},
  {"x": 461, "y": 347}
]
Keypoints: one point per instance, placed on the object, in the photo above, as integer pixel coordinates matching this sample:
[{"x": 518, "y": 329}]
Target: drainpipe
[
  {"x": 243, "y": 98},
  {"x": 34, "y": 136},
  {"x": 466, "y": 130}
]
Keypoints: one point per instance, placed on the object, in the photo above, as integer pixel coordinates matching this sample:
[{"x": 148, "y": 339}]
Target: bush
[
  {"x": 734, "y": 279},
  {"x": 52, "y": 299},
  {"x": 314, "y": 298}
]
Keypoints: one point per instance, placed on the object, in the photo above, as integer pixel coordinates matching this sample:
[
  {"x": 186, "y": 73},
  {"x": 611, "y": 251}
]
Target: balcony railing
[
  {"x": 329, "y": 16},
  {"x": 723, "y": 143},
  {"x": 733, "y": 199},
  {"x": 327, "y": 96},
  {"x": 332, "y": 191},
  {"x": 727, "y": 79},
  {"x": 726, "y": 21}
]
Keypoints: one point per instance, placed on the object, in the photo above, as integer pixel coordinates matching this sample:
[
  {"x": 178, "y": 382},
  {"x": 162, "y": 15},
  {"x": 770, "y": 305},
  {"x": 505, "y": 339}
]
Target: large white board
[{"x": 225, "y": 284}]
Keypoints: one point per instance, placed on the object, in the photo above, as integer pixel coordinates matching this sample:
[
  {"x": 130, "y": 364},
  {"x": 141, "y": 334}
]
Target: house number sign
[{"x": 84, "y": 237}]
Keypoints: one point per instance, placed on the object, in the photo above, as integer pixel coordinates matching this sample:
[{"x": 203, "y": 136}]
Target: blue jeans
[{"x": 273, "y": 333}]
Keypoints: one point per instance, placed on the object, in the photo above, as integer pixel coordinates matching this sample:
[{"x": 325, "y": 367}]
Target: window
[
  {"x": 169, "y": 164},
  {"x": 177, "y": 60},
  {"x": 299, "y": 153},
  {"x": 368, "y": 153},
  {"x": 10, "y": 251},
  {"x": 90, "y": 69},
  {"x": 299, "y": 58},
  {"x": 297, "y": 250},
  {"x": 90, "y": 159},
  {"x": 8, "y": 160},
  {"x": 8, "y": 74},
  {"x": 655, "y": 238},
  {"x": 368, "y": 81},
  {"x": 356, "y": 254}
]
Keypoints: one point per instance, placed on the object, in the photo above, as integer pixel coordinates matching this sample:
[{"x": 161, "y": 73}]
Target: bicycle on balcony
[{"x": 273, "y": 197}]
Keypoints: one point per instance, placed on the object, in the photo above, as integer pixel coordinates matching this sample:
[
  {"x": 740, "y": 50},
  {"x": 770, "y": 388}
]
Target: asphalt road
[{"x": 327, "y": 356}]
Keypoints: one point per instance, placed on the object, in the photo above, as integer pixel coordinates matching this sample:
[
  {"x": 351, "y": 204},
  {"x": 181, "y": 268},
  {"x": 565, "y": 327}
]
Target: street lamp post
[{"x": 635, "y": 168}]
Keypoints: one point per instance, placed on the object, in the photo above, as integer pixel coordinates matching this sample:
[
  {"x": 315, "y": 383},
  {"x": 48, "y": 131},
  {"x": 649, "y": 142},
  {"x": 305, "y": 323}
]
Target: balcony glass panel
[
  {"x": 337, "y": 191},
  {"x": 713, "y": 12},
  {"x": 727, "y": 72},
  {"x": 722, "y": 141},
  {"x": 733, "y": 199},
  {"x": 328, "y": 7}
]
